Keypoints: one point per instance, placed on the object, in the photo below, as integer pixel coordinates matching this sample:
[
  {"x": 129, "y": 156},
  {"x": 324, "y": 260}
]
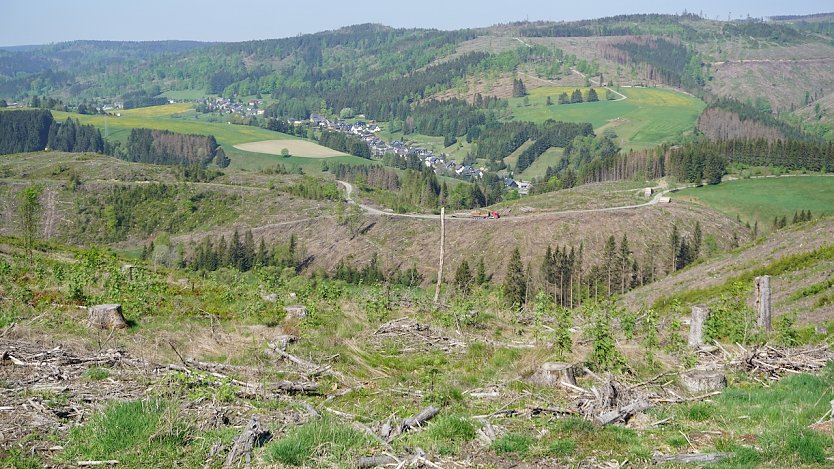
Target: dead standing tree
[
  {"x": 763, "y": 302},
  {"x": 442, "y": 253}
]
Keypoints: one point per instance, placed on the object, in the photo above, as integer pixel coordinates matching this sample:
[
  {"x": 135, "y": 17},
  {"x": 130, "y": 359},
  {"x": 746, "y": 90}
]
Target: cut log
[
  {"x": 553, "y": 374},
  {"x": 700, "y": 313},
  {"x": 625, "y": 413},
  {"x": 282, "y": 341},
  {"x": 296, "y": 312},
  {"x": 374, "y": 461},
  {"x": 425, "y": 415},
  {"x": 106, "y": 317},
  {"x": 703, "y": 458},
  {"x": 700, "y": 381},
  {"x": 763, "y": 302},
  {"x": 297, "y": 388}
]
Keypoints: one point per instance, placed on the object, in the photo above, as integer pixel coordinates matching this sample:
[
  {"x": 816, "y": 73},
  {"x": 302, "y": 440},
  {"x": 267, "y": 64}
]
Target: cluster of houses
[
  {"x": 227, "y": 106},
  {"x": 368, "y": 131}
]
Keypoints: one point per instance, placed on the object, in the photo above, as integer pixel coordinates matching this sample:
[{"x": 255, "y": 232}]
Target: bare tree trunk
[
  {"x": 763, "y": 302},
  {"x": 442, "y": 253}
]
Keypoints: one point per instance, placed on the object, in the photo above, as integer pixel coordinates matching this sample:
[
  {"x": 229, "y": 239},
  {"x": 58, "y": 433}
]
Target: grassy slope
[
  {"x": 762, "y": 199},
  {"x": 648, "y": 117},
  {"x": 800, "y": 259},
  {"x": 221, "y": 317},
  {"x": 179, "y": 118}
]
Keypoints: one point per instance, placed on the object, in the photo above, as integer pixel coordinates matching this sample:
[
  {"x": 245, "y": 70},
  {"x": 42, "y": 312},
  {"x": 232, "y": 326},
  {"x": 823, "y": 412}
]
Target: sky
[{"x": 31, "y": 22}]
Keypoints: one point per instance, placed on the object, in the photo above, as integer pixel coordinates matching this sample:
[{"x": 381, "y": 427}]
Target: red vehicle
[{"x": 485, "y": 215}]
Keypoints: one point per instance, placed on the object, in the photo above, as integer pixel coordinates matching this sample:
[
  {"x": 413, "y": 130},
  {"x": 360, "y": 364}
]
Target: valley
[{"x": 596, "y": 243}]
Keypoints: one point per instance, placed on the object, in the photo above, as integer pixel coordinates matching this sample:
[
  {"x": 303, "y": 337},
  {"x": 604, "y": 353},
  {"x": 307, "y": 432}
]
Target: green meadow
[
  {"x": 762, "y": 199},
  {"x": 647, "y": 117},
  {"x": 181, "y": 118}
]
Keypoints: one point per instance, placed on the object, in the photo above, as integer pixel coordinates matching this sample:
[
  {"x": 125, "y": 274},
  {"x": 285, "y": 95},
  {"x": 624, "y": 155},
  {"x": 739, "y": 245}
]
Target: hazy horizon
[{"x": 215, "y": 21}]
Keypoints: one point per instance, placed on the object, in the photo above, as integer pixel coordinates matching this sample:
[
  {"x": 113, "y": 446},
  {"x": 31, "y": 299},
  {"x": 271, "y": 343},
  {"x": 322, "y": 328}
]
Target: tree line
[
  {"x": 242, "y": 254},
  {"x": 171, "y": 148},
  {"x": 35, "y": 130},
  {"x": 345, "y": 143},
  {"x": 566, "y": 274},
  {"x": 552, "y": 134}
]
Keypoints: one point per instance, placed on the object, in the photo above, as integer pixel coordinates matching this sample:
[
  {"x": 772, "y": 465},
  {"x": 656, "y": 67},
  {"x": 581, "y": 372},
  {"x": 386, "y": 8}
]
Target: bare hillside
[{"x": 793, "y": 289}]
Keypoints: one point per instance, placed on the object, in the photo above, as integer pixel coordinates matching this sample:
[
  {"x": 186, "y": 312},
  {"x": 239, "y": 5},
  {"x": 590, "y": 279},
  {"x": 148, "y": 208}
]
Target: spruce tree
[
  {"x": 697, "y": 240},
  {"x": 463, "y": 277},
  {"x": 481, "y": 277},
  {"x": 515, "y": 283}
]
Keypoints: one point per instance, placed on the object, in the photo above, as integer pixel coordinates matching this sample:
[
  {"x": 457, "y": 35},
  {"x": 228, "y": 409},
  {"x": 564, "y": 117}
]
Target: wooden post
[
  {"x": 442, "y": 253},
  {"x": 763, "y": 302},
  {"x": 700, "y": 313}
]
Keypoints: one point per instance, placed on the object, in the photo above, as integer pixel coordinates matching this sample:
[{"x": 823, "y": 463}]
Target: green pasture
[
  {"x": 181, "y": 118},
  {"x": 762, "y": 199},
  {"x": 647, "y": 117}
]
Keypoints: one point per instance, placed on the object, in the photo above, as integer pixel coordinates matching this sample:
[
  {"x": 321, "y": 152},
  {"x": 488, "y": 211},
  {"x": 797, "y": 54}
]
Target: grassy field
[
  {"x": 302, "y": 148},
  {"x": 551, "y": 157},
  {"x": 763, "y": 199},
  {"x": 647, "y": 117},
  {"x": 181, "y": 118}
]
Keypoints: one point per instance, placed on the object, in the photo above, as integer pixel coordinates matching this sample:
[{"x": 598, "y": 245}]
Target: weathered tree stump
[
  {"x": 127, "y": 271},
  {"x": 700, "y": 313},
  {"x": 700, "y": 381},
  {"x": 106, "y": 317},
  {"x": 553, "y": 374},
  {"x": 296, "y": 312},
  {"x": 269, "y": 297},
  {"x": 763, "y": 302}
]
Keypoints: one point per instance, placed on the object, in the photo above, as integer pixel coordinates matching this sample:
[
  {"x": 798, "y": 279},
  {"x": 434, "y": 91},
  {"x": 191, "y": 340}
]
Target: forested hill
[{"x": 380, "y": 71}]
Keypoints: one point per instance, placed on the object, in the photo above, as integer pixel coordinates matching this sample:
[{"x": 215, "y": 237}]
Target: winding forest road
[{"x": 466, "y": 217}]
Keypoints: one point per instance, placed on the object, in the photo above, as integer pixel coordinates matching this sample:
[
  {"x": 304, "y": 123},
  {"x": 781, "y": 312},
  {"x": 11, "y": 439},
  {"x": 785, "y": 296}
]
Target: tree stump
[
  {"x": 763, "y": 302},
  {"x": 552, "y": 374},
  {"x": 269, "y": 297},
  {"x": 701, "y": 381},
  {"x": 127, "y": 271},
  {"x": 700, "y": 313},
  {"x": 296, "y": 312},
  {"x": 106, "y": 317}
]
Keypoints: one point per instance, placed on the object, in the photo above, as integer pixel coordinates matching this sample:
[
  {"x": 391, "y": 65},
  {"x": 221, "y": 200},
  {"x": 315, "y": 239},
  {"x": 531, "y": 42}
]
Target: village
[{"x": 440, "y": 163}]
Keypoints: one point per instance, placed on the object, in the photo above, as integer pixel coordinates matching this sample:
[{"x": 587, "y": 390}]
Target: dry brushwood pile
[
  {"x": 54, "y": 388},
  {"x": 412, "y": 336},
  {"x": 776, "y": 362}
]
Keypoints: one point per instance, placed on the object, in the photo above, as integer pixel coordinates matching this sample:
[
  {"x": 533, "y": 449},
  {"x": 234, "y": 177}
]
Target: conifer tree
[
  {"x": 515, "y": 283},
  {"x": 463, "y": 277},
  {"x": 481, "y": 277}
]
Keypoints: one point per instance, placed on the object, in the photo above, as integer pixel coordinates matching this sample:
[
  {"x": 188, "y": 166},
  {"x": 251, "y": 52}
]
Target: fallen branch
[
  {"x": 109, "y": 462},
  {"x": 624, "y": 414},
  {"x": 690, "y": 458},
  {"x": 374, "y": 461}
]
